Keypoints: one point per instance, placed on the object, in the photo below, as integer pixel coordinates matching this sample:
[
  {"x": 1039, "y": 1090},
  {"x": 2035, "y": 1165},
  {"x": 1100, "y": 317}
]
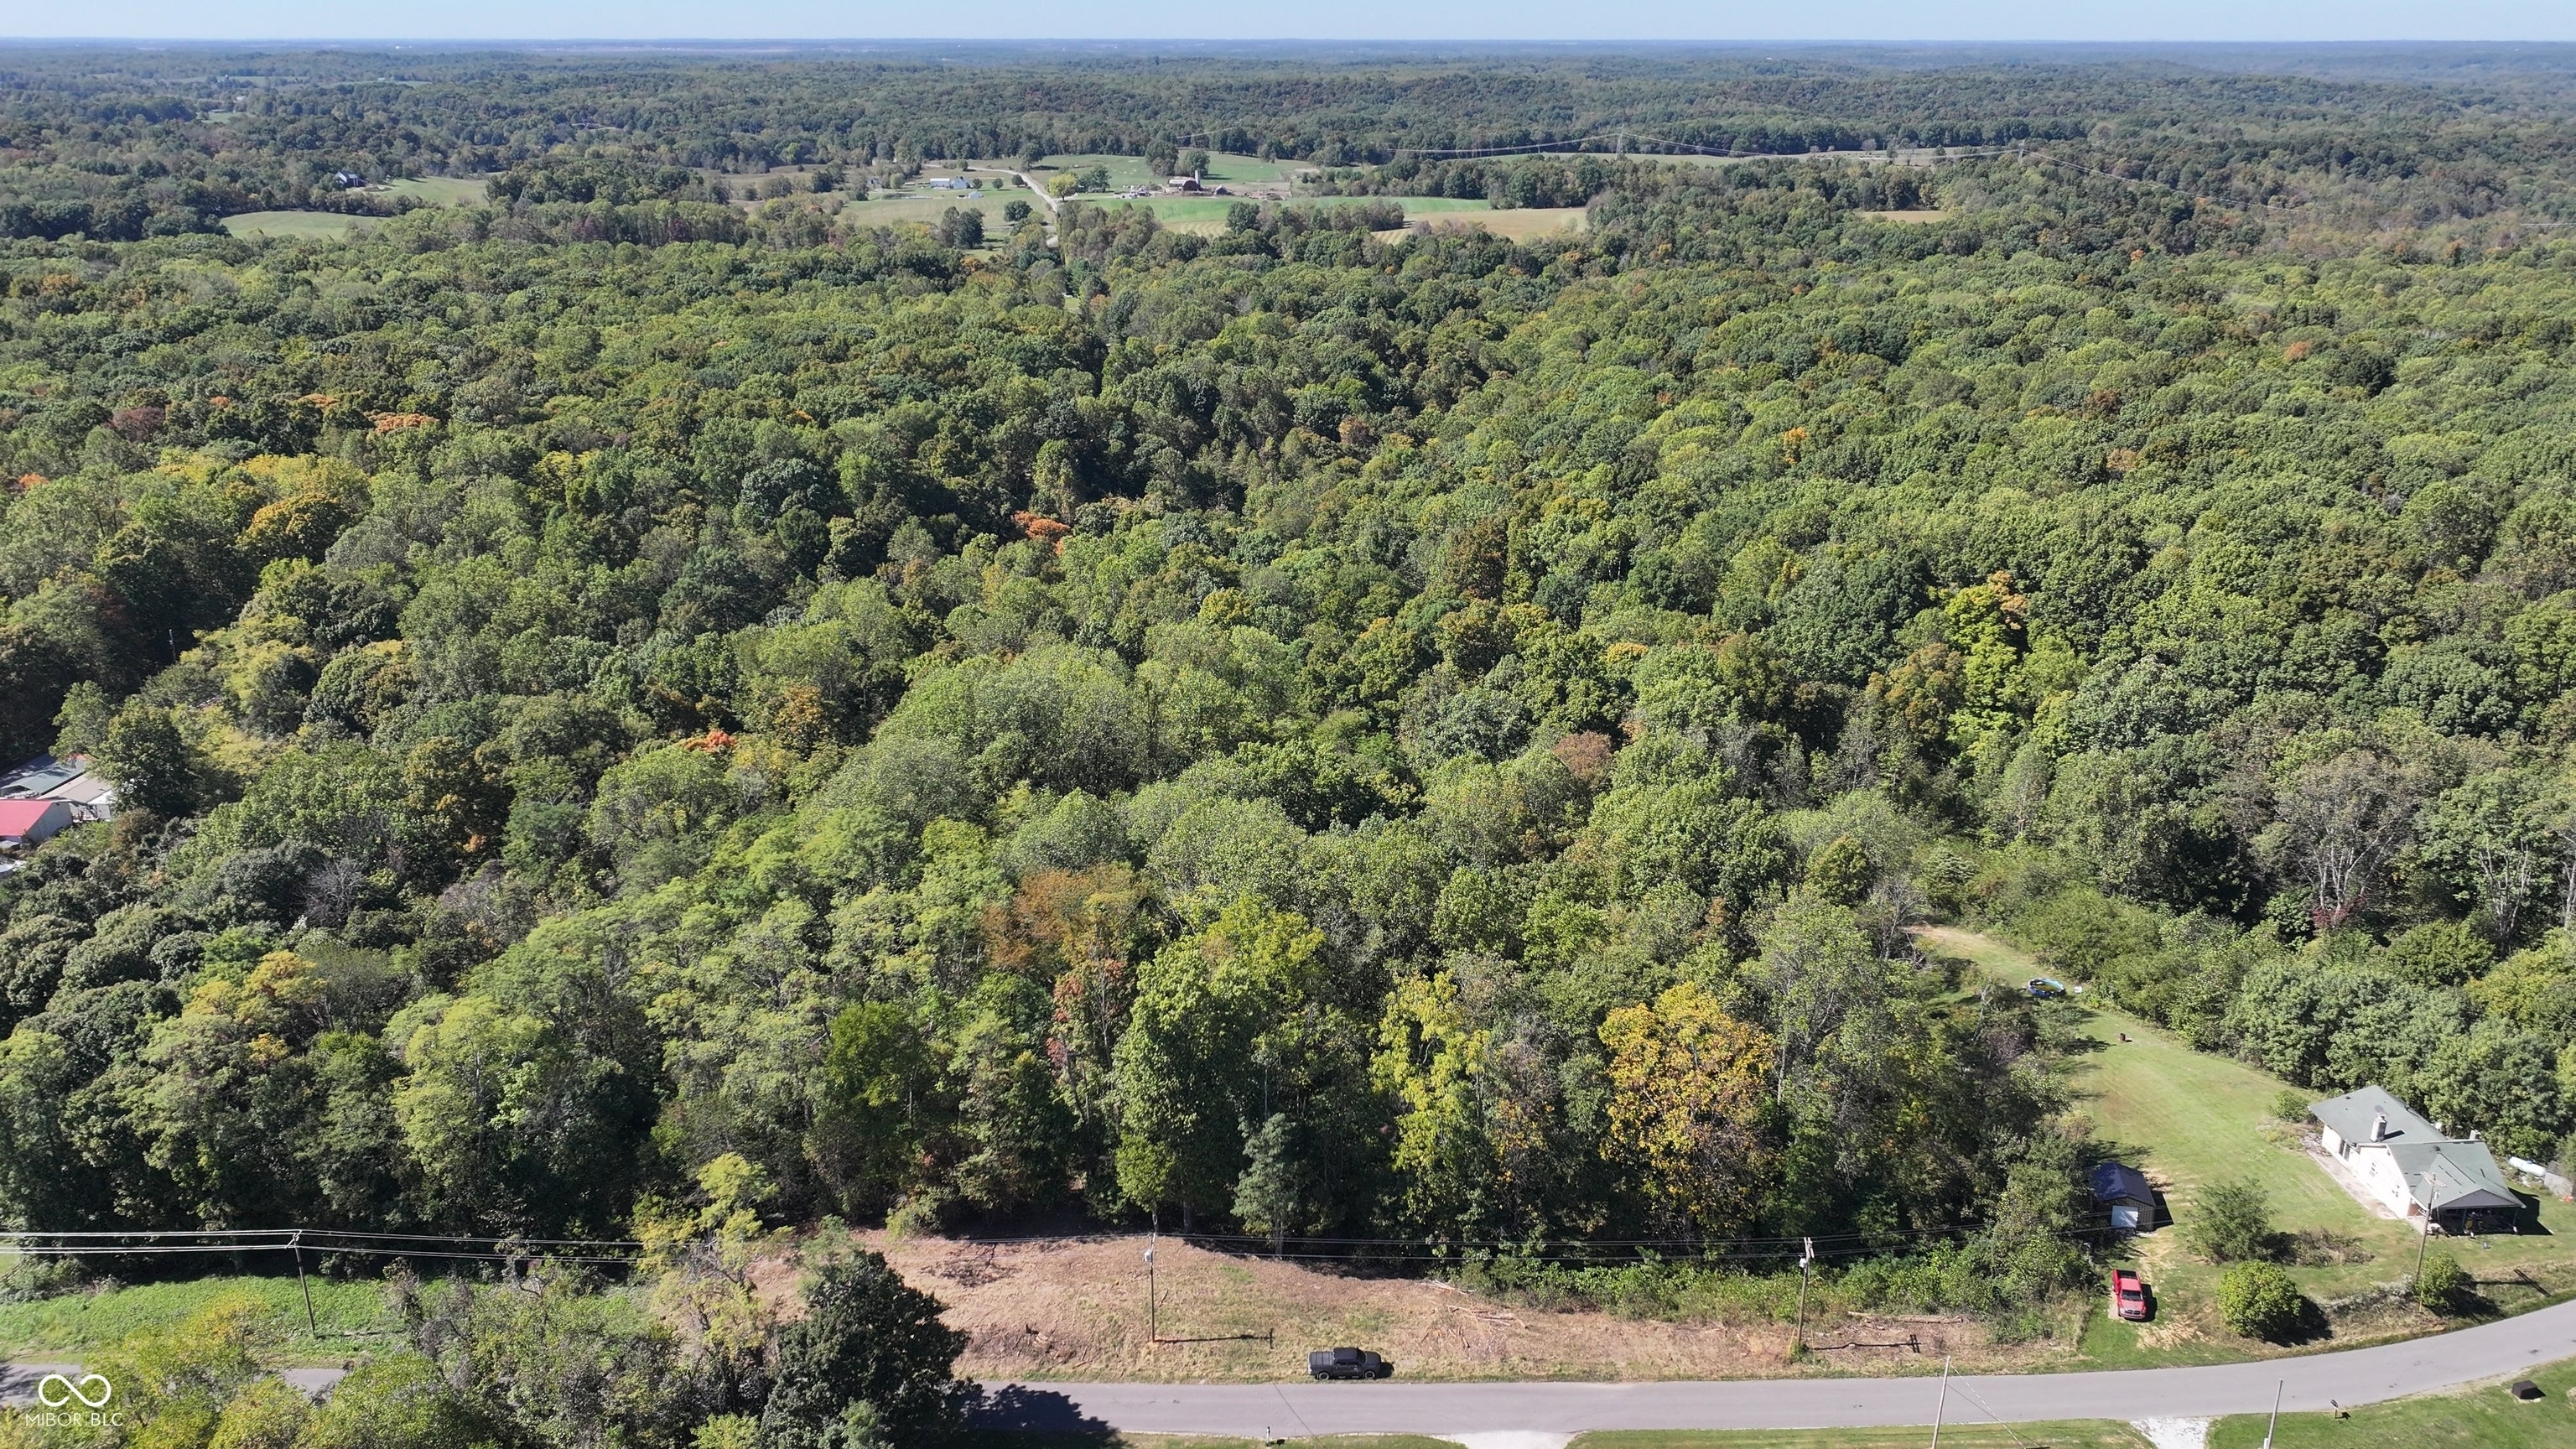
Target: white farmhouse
[{"x": 2404, "y": 1161}]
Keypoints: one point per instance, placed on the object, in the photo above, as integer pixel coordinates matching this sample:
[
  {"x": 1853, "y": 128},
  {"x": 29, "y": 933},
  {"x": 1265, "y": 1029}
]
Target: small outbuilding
[
  {"x": 2124, "y": 1193},
  {"x": 69, "y": 780},
  {"x": 25, "y": 824}
]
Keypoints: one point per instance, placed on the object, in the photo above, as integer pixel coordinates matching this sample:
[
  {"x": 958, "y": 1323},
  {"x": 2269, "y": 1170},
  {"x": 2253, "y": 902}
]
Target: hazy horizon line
[{"x": 1662, "y": 42}]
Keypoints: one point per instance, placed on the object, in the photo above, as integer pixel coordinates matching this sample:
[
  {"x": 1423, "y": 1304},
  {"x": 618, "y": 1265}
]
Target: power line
[
  {"x": 149, "y": 1242},
  {"x": 163, "y": 1242},
  {"x": 238, "y": 1233},
  {"x": 34, "y": 1250}
]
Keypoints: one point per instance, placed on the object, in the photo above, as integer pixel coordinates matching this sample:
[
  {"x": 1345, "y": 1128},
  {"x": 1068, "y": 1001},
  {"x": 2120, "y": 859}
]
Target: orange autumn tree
[{"x": 1689, "y": 1085}]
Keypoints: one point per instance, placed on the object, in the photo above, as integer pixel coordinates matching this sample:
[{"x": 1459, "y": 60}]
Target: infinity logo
[{"x": 54, "y": 1390}]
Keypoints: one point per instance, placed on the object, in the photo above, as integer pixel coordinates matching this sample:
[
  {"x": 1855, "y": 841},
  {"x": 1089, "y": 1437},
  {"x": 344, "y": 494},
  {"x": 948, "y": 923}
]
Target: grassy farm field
[
  {"x": 1194, "y": 213},
  {"x": 1519, "y": 223},
  {"x": 441, "y": 190},
  {"x": 307, "y": 225},
  {"x": 1223, "y": 169},
  {"x": 926, "y": 207},
  {"x": 2188, "y": 1119}
]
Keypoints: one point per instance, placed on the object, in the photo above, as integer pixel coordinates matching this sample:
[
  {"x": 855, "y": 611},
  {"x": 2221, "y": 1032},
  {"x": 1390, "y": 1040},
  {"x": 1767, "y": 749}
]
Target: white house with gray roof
[{"x": 2408, "y": 1164}]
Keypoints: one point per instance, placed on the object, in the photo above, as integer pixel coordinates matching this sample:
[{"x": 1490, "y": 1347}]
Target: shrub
[
  {"x": 2231, "y": 1222},
  {"x": 397, "y": 1401},
  {"x": 2290, "y": 1106},
  {"x": 2258, "y": 1300},
  {"x": 2444, "y": 1286}
]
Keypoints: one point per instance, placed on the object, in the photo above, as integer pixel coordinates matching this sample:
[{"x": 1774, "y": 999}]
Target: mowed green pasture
[
  {"x": 303, "y": 225},
  {"x": 441, "y": 190},
  {"x": 2188, "y": 1119},
  {"x": 925, "y": 207}
]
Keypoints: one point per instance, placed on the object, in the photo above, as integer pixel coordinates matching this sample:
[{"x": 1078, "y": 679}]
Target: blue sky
[{"x": 2222, "y": 20}]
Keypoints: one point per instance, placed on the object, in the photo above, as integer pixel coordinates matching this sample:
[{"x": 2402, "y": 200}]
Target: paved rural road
[
  {"x": 2314, "y": 1381},
  {"x": 20, "y": 1381}
]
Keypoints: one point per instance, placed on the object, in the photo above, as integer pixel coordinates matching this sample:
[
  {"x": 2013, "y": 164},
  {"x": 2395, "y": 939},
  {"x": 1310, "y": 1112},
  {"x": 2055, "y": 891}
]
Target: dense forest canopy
[{"x": 1306, "y": 730}]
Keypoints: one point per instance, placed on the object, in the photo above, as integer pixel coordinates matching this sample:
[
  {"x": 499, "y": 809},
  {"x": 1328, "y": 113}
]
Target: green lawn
[
  {"x": 2482, "y": 1418},
  {"x": 2187, "y": 1119},
  {"x": 307, "y": 225},
  {"x": 441, "y": 190},
  {"x": 352, "y": 1315},
  {"x": 2073, "y": 1435}
]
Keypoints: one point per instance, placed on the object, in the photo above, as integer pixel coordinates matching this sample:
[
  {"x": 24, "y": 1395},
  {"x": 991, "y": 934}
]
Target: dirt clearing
[{"x": 1075, "y": 1308}]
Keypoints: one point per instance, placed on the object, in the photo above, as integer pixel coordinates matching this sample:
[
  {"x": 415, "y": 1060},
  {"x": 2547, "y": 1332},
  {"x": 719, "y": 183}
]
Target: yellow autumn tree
[{"x": 1688, "y": 1087}]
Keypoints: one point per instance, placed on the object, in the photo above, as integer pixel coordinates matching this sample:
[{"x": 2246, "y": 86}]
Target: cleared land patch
[
  {"x": 306, "y": 225},
  {"x": 925, "y": 208},
  {"x": 441, "y": 190},
  {"x": 1074, "y": 1309}
]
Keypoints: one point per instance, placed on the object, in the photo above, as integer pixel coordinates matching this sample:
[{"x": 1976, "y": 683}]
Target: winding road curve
[{"x": 2506, "y": 1348}]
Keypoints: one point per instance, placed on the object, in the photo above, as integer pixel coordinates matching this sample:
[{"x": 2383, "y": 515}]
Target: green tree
[
  {"x": 880, "y": 1099},
  {"x": 1839, "y": 871},
  {"x": 153, "y": 764},
  {"x": 1188, "y": 1067},
  {"x": 83, "y": 721},
  {"x": 564, "y": 1367},
  {"x": 866, "y": 1341},
  {"x": 2491, "y": 840},
  {"x": 1689, "y": 1085}
]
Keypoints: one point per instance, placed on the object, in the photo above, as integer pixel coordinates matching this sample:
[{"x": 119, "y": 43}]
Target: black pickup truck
[{"x": 1347, "y": 1363}]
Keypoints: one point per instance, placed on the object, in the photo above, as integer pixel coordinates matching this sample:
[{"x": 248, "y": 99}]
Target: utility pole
[
  {"x": 1806, "y": 1269},
  {"x": 310, "y": 1326},
  {"x": 1153, "y": 1319},
  {"x": 2275, "y": 1423},
  {"x": 2433, "y": 1197},
  {"x": 1940, "y": 1409}
]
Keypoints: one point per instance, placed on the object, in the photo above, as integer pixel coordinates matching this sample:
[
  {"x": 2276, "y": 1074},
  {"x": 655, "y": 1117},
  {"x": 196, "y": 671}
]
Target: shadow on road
[{"x": 1018, "y": 1409}]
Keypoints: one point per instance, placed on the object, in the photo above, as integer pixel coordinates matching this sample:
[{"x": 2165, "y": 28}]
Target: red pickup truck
[{"x": 2128, "y": 1296}]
